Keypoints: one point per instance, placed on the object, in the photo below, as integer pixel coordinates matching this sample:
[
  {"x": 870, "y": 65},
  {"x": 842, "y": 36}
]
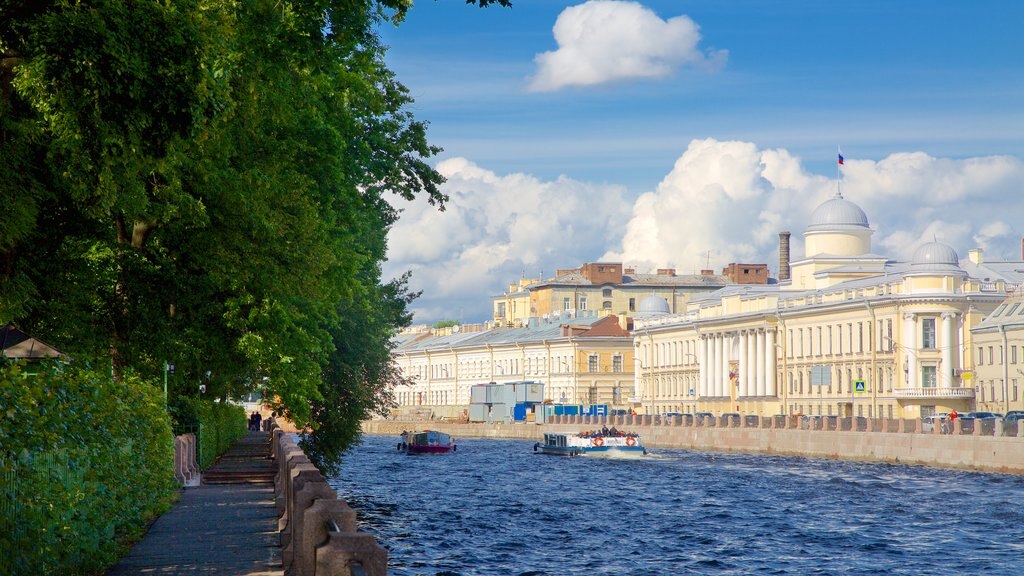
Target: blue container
[{"x": 519, "y": 412}]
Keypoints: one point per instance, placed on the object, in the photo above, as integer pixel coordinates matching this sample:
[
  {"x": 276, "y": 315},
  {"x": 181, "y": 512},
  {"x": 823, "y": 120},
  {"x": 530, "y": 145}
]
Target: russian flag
[{"x": 841, "y": 158}]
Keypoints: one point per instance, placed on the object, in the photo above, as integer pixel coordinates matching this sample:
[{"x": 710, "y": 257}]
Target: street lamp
[{"x": 168, "y": 369}]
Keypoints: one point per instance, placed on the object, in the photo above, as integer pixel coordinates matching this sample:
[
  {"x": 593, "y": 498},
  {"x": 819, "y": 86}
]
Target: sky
[{"x": 688, "y": 134}]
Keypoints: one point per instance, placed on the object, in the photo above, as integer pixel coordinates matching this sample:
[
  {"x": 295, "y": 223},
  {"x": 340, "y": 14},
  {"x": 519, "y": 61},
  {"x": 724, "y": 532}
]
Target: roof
[
  {"x": 537, "y": 331},
  {"x": 1009, "y": 313},
  {"x": 17, "y": 344},
  {"x": 837, "y": 213}
]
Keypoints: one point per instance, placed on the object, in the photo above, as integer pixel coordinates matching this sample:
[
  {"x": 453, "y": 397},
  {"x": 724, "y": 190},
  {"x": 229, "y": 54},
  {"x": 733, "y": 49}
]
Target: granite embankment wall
[{"x": 902, "y": 442}]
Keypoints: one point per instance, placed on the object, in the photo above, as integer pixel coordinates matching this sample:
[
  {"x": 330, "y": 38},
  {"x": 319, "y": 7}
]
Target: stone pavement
[{"x": 226, "y": 526}]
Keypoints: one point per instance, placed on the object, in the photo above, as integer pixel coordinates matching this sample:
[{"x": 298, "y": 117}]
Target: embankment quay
[
  {"x": 984, "y": 446},
  {"x": 262, "y": 509}
]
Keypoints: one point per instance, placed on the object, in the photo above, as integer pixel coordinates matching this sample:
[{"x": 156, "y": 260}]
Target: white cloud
[
  {"x": 727, "y": 197},
  {"x": 732, "y": 198},
  {"x": 604, "y": 41},
  {"x": 495, "y": 229}
]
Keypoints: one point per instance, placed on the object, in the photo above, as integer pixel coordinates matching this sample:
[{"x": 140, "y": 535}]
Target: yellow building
[
  {"x": 605, "y": 286},
  {"x": 848, "y": 333},
  {"x": 999, "y": 357},
  {"x": 585, "y": 359}
]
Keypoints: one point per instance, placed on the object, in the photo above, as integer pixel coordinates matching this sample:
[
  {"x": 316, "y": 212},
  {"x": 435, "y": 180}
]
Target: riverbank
[{"x": 1003, "y": 454}]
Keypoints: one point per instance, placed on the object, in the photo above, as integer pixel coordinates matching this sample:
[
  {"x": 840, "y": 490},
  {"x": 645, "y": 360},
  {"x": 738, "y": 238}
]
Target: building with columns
[
  {"x": 847, "y": 333},
  {"x": 580, "y": 359}
]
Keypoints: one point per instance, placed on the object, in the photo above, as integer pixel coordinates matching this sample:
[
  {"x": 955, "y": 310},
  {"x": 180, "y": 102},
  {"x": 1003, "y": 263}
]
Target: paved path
[{"x": 225, "y": 528}]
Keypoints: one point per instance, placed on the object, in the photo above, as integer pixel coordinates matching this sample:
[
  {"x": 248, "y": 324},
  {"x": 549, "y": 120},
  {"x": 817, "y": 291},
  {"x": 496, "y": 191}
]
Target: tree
[{"x": 206, "y": 182}]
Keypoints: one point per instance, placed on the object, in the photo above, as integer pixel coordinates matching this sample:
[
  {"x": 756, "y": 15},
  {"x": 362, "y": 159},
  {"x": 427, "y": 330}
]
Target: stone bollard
[
  {"x": 179, "y": 460},
  {"x": 343, "y": 548},
  {"x": 192, "y": 475},
  {"x": 307, "y": 487},
  {"x": 293, "y": 456},
  {"x": 1020, "y": 429},
  {"x": 997, "y": 429},
  {"x": 315, "y": 531}
]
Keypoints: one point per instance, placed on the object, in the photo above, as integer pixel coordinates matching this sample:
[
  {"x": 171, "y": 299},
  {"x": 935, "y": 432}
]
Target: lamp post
[{"x": 168, "y": 369}]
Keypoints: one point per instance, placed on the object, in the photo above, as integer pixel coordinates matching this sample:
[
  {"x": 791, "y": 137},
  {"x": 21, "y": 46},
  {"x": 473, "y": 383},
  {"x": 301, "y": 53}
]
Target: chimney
[
  {"x": 707, "y": 272},
  {"x": 783, "y": 256},
  {"x": 666, "y": 271},
  {"x": 975, "y": 255}
]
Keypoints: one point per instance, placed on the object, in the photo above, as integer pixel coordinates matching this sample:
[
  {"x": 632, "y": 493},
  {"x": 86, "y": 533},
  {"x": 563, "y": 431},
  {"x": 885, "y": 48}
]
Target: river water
[{"x": 495, "y": 507}]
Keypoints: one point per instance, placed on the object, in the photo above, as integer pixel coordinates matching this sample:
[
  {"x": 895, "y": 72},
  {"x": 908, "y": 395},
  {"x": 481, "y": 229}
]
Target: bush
[
  {"x": 217, "y": 425},
  {"x": 84, "y": 462}
]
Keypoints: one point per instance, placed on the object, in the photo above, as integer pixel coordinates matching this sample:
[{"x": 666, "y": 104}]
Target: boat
[
  {"x": 426, "y": 442},
  {"x": 596, "y": 443}
]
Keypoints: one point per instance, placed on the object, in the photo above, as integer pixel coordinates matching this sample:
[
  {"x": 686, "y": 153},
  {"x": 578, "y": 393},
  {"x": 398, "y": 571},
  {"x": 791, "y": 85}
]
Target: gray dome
[
  {"x": 935, "y": 256},
  {"x": 653, "y": 305},
  {"x": 838, "y": 213}
]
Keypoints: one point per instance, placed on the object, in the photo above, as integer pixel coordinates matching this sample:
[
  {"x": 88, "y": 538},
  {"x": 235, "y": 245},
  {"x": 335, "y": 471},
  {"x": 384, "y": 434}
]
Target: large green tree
[{"x": 206, "y": 182}]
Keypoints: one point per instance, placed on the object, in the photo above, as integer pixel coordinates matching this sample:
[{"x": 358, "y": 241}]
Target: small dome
[
  {"x": 653, "y": 305},
  {"x": 935, "y": 256},
  {"x": 838, "y": 213}
]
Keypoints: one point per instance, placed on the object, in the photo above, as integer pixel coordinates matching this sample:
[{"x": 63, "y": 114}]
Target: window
[
  {"x": 607, "y": 305},
  {"x": 592, "y": 363},
  {"x": 860, "y": 337},
  {"x": 990, "y": 356},
  {"x": 632, "y": 304},
  {"x": 928, "y": 333},
  {"x": 927, "y": 376},
  {"x": 888, "y": 335},
  {"x": 501, "y": 310},
  {"x": 1013, "y": 354},
  {"x": 830, "y": 340},
  {"x": 566, "y": 305},
  {"x": 607, "y": 293},
  {"x": 981, "y": 356},
  {"x": 583, "y": 302},
  {"x": 820, "y": 349},
  {"x": 1013, "y": 383},
  {"x": 617, "y": 363}
]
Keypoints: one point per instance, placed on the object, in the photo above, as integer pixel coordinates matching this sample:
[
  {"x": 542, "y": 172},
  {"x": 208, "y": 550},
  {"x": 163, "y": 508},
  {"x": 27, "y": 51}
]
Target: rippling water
[{"x": 494, "y": 507}]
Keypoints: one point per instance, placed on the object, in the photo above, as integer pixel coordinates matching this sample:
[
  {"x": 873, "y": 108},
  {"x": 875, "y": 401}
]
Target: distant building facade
[
  {"x": 850, "y": 333},
  {"x": 606, "y": 286},
  {"x": 580, "y": 359},
  {"x": 999, "y": 357}
]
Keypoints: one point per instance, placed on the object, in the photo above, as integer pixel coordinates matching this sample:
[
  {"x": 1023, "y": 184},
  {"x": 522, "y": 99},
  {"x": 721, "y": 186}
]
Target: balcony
[{"x": 930, "y": 393}]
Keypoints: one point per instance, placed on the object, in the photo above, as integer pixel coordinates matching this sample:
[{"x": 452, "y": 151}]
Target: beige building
[
  {"x": 580, "y": 359},
  {"x": 999, "y": 357},
  {"x": 845, "y": 332},
  {"x": 610, "y": 288}
]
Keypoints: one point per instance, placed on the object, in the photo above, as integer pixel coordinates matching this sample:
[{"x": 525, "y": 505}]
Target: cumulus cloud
[
  {"x": 732, "y": 199},
  {"x": 495, "y": 229},
  {"x": 604, "y": 41}
]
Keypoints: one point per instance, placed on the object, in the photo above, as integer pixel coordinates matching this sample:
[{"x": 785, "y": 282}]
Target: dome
[
  {"x": 837, "y": 213},
  {"x": 935, "y": 256},
  {"x": 653, "y": 305}
]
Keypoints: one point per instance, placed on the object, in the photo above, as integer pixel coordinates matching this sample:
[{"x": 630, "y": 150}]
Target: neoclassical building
[
  {"x": 844, "y": 332},
  {"x": 580, "y": 359}
]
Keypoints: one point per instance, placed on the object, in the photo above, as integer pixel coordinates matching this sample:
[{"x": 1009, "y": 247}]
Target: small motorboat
[
  {"x": 591, "y": 443},
  {"x": 426, "y": 442}
]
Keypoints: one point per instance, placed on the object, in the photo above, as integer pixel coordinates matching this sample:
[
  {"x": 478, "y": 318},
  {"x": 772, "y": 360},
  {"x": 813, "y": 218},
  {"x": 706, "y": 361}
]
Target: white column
[
  {"x": 946, "y": 369},
  {"x": 752, "y": 362},
  {"x": 760, "y": 363},
  {"x": 744, "y": 388},
  {"x": 702, "y": 358},
  {"x": 910, "y": 348},
  {"x": 719, "y": 356},
  {"x": 772, "y": 368},
  {"x": 726, "y": 355}
]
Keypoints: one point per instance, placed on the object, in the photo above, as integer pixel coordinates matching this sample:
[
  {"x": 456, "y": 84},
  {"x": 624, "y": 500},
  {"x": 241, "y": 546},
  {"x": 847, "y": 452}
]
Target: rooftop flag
[{"x": 841, "y": 158}]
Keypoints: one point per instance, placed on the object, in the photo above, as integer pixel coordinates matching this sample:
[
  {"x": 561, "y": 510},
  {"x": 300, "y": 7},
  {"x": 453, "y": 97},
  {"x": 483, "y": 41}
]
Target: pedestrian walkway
[{"x": 227, "y": 526}]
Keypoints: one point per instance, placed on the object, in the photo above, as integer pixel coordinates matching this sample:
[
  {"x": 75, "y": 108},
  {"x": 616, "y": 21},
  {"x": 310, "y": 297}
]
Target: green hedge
[
  {"x": 218, "y": 426},
  {"x": 85, "y": 462}
]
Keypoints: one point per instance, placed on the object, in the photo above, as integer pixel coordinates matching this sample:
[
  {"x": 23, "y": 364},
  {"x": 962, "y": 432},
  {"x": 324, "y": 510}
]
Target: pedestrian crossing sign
[{"x": 859, "y": 387}]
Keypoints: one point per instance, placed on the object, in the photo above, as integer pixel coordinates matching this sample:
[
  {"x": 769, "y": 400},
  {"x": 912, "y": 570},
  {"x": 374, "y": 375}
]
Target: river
[{"x": 496, "y": 508}]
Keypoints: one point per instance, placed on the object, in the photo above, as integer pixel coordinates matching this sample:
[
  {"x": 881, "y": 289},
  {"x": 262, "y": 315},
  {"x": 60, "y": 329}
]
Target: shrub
[
  {"x": 84, "y": 461},
  {"x": 217, "y": 424}
]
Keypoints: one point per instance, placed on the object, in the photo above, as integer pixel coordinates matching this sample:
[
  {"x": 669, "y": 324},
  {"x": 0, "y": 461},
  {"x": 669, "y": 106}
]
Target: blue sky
[{"x": 735, "y": 129}]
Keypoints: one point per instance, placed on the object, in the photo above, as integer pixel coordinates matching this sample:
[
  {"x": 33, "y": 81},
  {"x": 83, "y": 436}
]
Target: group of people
[
  {"x": 255, "y": 421},
  {"x": 605, "y": 431}
]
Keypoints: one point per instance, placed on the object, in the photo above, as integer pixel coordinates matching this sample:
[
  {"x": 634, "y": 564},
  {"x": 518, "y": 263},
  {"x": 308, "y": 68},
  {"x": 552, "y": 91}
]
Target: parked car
[
  {"x": 982, "y": 415},
  {"x": 928, "y": 423},
  {"x": 1013, "y": 416},
  {"x": 619, "y": 412}
]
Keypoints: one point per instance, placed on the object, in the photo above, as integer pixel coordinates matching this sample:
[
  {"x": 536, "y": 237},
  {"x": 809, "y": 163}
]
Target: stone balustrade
[
  {"x": 186, "y": 468},
  {"x": 318, "y": 531}
]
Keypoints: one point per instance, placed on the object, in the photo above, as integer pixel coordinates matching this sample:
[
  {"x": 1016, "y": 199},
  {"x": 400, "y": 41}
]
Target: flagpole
[{"x": 839, "y": 174}]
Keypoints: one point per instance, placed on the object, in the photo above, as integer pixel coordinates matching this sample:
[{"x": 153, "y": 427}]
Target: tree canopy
[{"x": 206, "y": 182}]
